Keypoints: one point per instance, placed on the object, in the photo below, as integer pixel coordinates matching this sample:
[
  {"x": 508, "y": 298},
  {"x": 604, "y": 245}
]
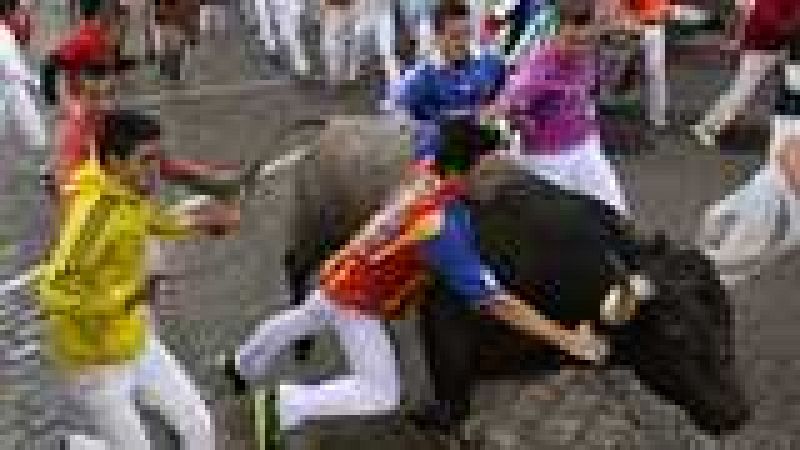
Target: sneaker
[
  {"x": 704, "y": 135},
  {"x": 267, "y": 422},
  {"x": 438, "y": 417}
]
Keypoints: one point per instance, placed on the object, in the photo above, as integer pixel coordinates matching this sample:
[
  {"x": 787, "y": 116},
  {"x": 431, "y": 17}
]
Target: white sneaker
[
  {"x": 704, "y": 135},
  {"x": 660, "y": 123},
  {"x": 301, "y": 66},
  {"x": 81, "y": 442}
]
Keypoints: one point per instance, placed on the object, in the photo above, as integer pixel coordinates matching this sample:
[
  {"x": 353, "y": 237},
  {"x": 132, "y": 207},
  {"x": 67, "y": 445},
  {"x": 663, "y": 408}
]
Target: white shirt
[{"x": 21, "y": 124}]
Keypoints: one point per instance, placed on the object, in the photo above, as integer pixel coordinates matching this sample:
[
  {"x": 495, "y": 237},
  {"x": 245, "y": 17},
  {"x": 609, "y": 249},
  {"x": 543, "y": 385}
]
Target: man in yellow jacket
[{"x": 93, "y": 289}]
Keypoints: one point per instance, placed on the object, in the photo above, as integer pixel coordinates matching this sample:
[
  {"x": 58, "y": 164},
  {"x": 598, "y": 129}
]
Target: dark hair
[
  {"x": 8, "y": 6},
  {"x": 124, "y": 131},
  {"x": 94, "y": 71},
  {"x": 576, "y": 12},
  {"x": 90, "y": 9},
  {"x": 448, "y": 10},
  {"x": 465, "y": 141}
]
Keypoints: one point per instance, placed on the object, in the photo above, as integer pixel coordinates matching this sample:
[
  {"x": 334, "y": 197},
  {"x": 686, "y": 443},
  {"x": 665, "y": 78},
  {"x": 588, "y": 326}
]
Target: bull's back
[{"x": 549, "y": 245}]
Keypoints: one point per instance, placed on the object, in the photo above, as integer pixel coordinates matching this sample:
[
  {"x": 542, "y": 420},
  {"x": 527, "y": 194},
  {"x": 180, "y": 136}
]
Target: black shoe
[
  {"x": 441, "y": 418},
  {"x": 231, "y": 374}
]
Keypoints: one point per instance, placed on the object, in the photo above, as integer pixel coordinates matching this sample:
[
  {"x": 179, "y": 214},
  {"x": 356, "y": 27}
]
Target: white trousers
[
  {"x": 654, "y": 41},
  {"x": 156, "y": 379},
  {"x": 213, "y": 18},
  {"x": 758, "y": 222},
  {"x": 753, "y": 67},
  {"x": 375, "y": 19},
  {"x": 418, "y": 19},
  {"x": 338, "y": 29},
  {"x": 287, "y": 14},
  {"x": 373, "y": 386},
  {"x": 583, "y": 168}
]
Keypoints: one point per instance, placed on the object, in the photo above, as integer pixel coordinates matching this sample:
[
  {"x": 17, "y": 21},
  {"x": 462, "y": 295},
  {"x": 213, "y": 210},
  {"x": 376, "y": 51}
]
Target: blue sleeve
[
  {"x": 413, "y": 94},
  {"x": 492, "y": 74},
  {"x": 453, "y": 255},
  {"x": 427, "y": 141}
]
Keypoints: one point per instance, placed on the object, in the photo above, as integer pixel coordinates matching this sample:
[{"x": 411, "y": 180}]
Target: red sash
[{"x": 380, "y": 280}]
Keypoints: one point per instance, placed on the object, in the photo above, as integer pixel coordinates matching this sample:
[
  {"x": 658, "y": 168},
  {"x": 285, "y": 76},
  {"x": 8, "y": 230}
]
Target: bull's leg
[{"x": 451, "y": 349}]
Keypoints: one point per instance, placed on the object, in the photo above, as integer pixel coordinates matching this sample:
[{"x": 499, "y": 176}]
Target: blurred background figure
[
  {"x": 416, "y": 15},
  {"x": 213, "y": 16},
  {"x": 758, "y": 222},
  {"x": 287, "y": 14},
  {"x": 23, "y": 134},
  {"x": 375, "y": 20},
  {"x": 177, "y": 31},
  {"x": 646, "y": 18},
  {"x": 754, "y": 66},
  {"x": 140, "y": 39},
  {"x": 338, "y": 21}
]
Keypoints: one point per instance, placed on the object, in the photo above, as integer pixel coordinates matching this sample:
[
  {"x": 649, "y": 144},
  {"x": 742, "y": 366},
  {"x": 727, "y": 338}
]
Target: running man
[
  {"x": 549, "y": 102},
  {"x": 759, "y": 221},
  {"x": 93, "y": 291}
]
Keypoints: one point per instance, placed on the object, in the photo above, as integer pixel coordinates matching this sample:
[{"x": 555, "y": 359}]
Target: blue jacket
[{"x": 433, "y": 91}]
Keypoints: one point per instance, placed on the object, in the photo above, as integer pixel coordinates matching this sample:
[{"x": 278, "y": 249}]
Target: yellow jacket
[{"x": 92, "y": 287}]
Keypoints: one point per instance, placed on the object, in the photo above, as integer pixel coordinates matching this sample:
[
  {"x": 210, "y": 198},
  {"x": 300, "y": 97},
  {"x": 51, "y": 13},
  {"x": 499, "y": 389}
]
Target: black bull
[{"x": 566, "y": 251}]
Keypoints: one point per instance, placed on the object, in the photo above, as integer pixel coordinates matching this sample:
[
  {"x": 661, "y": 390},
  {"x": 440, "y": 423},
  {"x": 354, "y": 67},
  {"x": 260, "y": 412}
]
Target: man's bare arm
[{"x": 581, "y": 342}]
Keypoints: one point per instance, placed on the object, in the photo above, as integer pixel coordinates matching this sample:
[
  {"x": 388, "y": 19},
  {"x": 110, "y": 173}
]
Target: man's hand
[
  {"x": 213, "y": 217},
  {"x": 585, "y": 344},
  {"x": 789, "y": 162},
  {"x": 581, "y": 342}
]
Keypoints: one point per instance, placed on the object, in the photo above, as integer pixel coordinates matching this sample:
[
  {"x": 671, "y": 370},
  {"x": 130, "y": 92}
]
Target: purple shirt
[{"x": 549, "y": 98}]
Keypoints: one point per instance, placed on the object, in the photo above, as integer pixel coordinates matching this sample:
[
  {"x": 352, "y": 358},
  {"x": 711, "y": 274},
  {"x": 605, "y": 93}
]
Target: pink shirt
[{"x": 549, "y": 99}]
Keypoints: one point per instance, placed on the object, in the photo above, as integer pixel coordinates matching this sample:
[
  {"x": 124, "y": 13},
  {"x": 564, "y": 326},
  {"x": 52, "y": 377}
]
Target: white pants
[
  {"x": 287, "y": 14},
  {"x": 213, "y": 18},
  {"x": 372, "y": 388},
  {"x": 753, "y": 67},
  {"x": 758, "y": 222},
  {"x": 338, "y": 28},
  {"x": 655, "y": 53},
  {"x": 584, "y": 169},
  {"x": 157, "y": 379},
  {"x": 418, "y": 19},
  {"x": 375, "y": 18}
]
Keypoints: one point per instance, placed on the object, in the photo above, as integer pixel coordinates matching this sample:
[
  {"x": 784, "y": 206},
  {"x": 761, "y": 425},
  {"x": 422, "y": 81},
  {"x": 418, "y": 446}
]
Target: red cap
[
  {"x": 89, "y": 45},
  {"x": 770, "y": 25}
]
